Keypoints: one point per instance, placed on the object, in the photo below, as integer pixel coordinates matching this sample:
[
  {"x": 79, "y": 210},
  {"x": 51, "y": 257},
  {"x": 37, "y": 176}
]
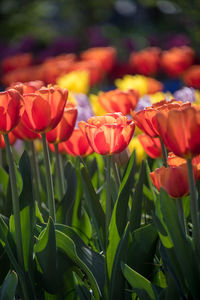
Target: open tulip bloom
[{"x": 108, "y": 134}]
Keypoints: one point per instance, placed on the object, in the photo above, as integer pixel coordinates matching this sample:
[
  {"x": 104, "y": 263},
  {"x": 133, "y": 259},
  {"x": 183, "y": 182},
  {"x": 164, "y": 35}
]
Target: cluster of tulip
[
  {"x": 177, "y": 62},
  {"x": 99, "y": 230}
]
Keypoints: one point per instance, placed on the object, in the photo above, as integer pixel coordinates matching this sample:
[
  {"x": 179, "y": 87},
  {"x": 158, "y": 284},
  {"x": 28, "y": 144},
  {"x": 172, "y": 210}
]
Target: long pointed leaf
[{"x": 119, "y": 216}]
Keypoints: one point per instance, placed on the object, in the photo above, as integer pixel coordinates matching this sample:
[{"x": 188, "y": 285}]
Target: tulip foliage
[{"x": 73, "y": 223}]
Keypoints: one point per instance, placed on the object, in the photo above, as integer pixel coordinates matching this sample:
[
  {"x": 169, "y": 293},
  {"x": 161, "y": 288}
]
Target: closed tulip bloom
[
  {"x": 18, "y": 61},
  {"x": 174, "y": 180},
  {"x": 146, "y": 62},
  {"x": 176, "y": 60},
  {"x": 192, "y": 77},
  {"x": 119, "y": 101},
  {"x": 94, "y": 67},
  {"x": 65, "y": 127},
  {"x": 152, "y": 146},
  {"x": 44, "y": 108},
  {"x": 108, "y": 134},
  {"x": 11, "y": 110},
  {"x": 179, "y": 131},
  {"x": 146, "y": 119},
  {"x": 22, "y": 132},
  {"x": 76, "y": 145},
  {"x": 105, "y": 55}
]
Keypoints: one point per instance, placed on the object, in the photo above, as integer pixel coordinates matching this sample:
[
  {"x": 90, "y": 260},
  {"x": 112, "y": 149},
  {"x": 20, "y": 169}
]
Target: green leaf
[
  {"x": 141, "y": 286},
  {"x": 45, "y": 251},
  {"x": 4, "y": 178},
  {"x": 95, "y": 207},
  {"x": 7, "y": 241},
  {"x": 80, "y": 219},
  {"x": 27, "y": 211},
  {"x": 117, "y": 282},
  {"x": 136, "y": 209},
  {"x": 63, "y": 213},
  {"x": 183, "y": 248},
  {"x": 81, "y": 255},
  {"x": 142, "y": 249},
  {"x": 119, "y": 216},
  {"x": 90, "y": 258},
  {"x": 8, "y": 288}
]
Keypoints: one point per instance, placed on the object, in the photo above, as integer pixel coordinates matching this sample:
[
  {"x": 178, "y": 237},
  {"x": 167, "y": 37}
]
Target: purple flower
[
  {"x": 143, "y": 102},
  {"x": 84, "y": 108},
  {"x": 185, "y": 94}
]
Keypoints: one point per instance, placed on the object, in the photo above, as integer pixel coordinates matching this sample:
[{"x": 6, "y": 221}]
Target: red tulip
[
  {"x": 179, "y": 131},
  {"x": 12, "y": 139},
  {"x": 105, "y": 55},
  {"x": 119, "y": 101},
  {"x": 22, "y": 132},
  {"x": 151, "y": 145},
  {"x": 11, "y": 109},
  {"x": 191, "y": 77},
  {"x": 176, "y": 60},
  {"x": 174, "y": 180},
  {"x": 65, "y": 127},
  {"x": 108, "y": 134},
  {"x": 146, "y": 119},
  {"x": 146, "y": 62},
  {"x": 44, "y": 108},
  {"x": 23, "y": 75},
  {"x": 76, "y": 145},
  {"x": 18, "y": 61}
]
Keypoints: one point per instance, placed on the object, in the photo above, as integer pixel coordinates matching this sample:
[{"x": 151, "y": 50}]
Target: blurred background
[{"x": 48, "y": 28}]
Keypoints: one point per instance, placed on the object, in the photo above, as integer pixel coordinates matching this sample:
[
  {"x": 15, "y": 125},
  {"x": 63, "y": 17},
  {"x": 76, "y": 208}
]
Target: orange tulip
[
  {"x": 44, "y": 108},
  {"x": 176, "y": 60},
  {"x": 105, "y": 55},
  {"x": 146, "y": 118},
  {"x": 65, "y": 127},
  {"x": 55, "y": 67},
  {"x": 119, "y": 101},
  {"x": 191, "y": 77},
  {"x": 174, "y": 180},
  {"x": 179, "y": 131},
  {"x": 153, "y": 86},
  {"x": 151, "y": 145},
  {"x": 108, "y": 134},
  {"x": 146, "y": 62},
  {"x": 11, "y": 110},
  {"x": 27, "y": 87},
  {"x": 175, "y": 161},
  {"x": 76, "y": 145},
  {"x": 94, "y": 67}
]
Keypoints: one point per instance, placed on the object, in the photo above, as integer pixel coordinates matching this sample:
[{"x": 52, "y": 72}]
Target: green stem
[
  {"x": 15, "y": 201},
  {"x": 164, "y": 153},
  {"x": 16, "y": 212},
  {"x": 48, "y": 177},
  {"x": 194, "y": 208},
  {"x": 108, "y": 217},
  {"x": 115, "y": 172},
  {"x": 61, "y": 183},
  {"x": 36, "y": 176},
  {"x": 108, "y": 194},
  {"x": 179, "y": 205}
]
